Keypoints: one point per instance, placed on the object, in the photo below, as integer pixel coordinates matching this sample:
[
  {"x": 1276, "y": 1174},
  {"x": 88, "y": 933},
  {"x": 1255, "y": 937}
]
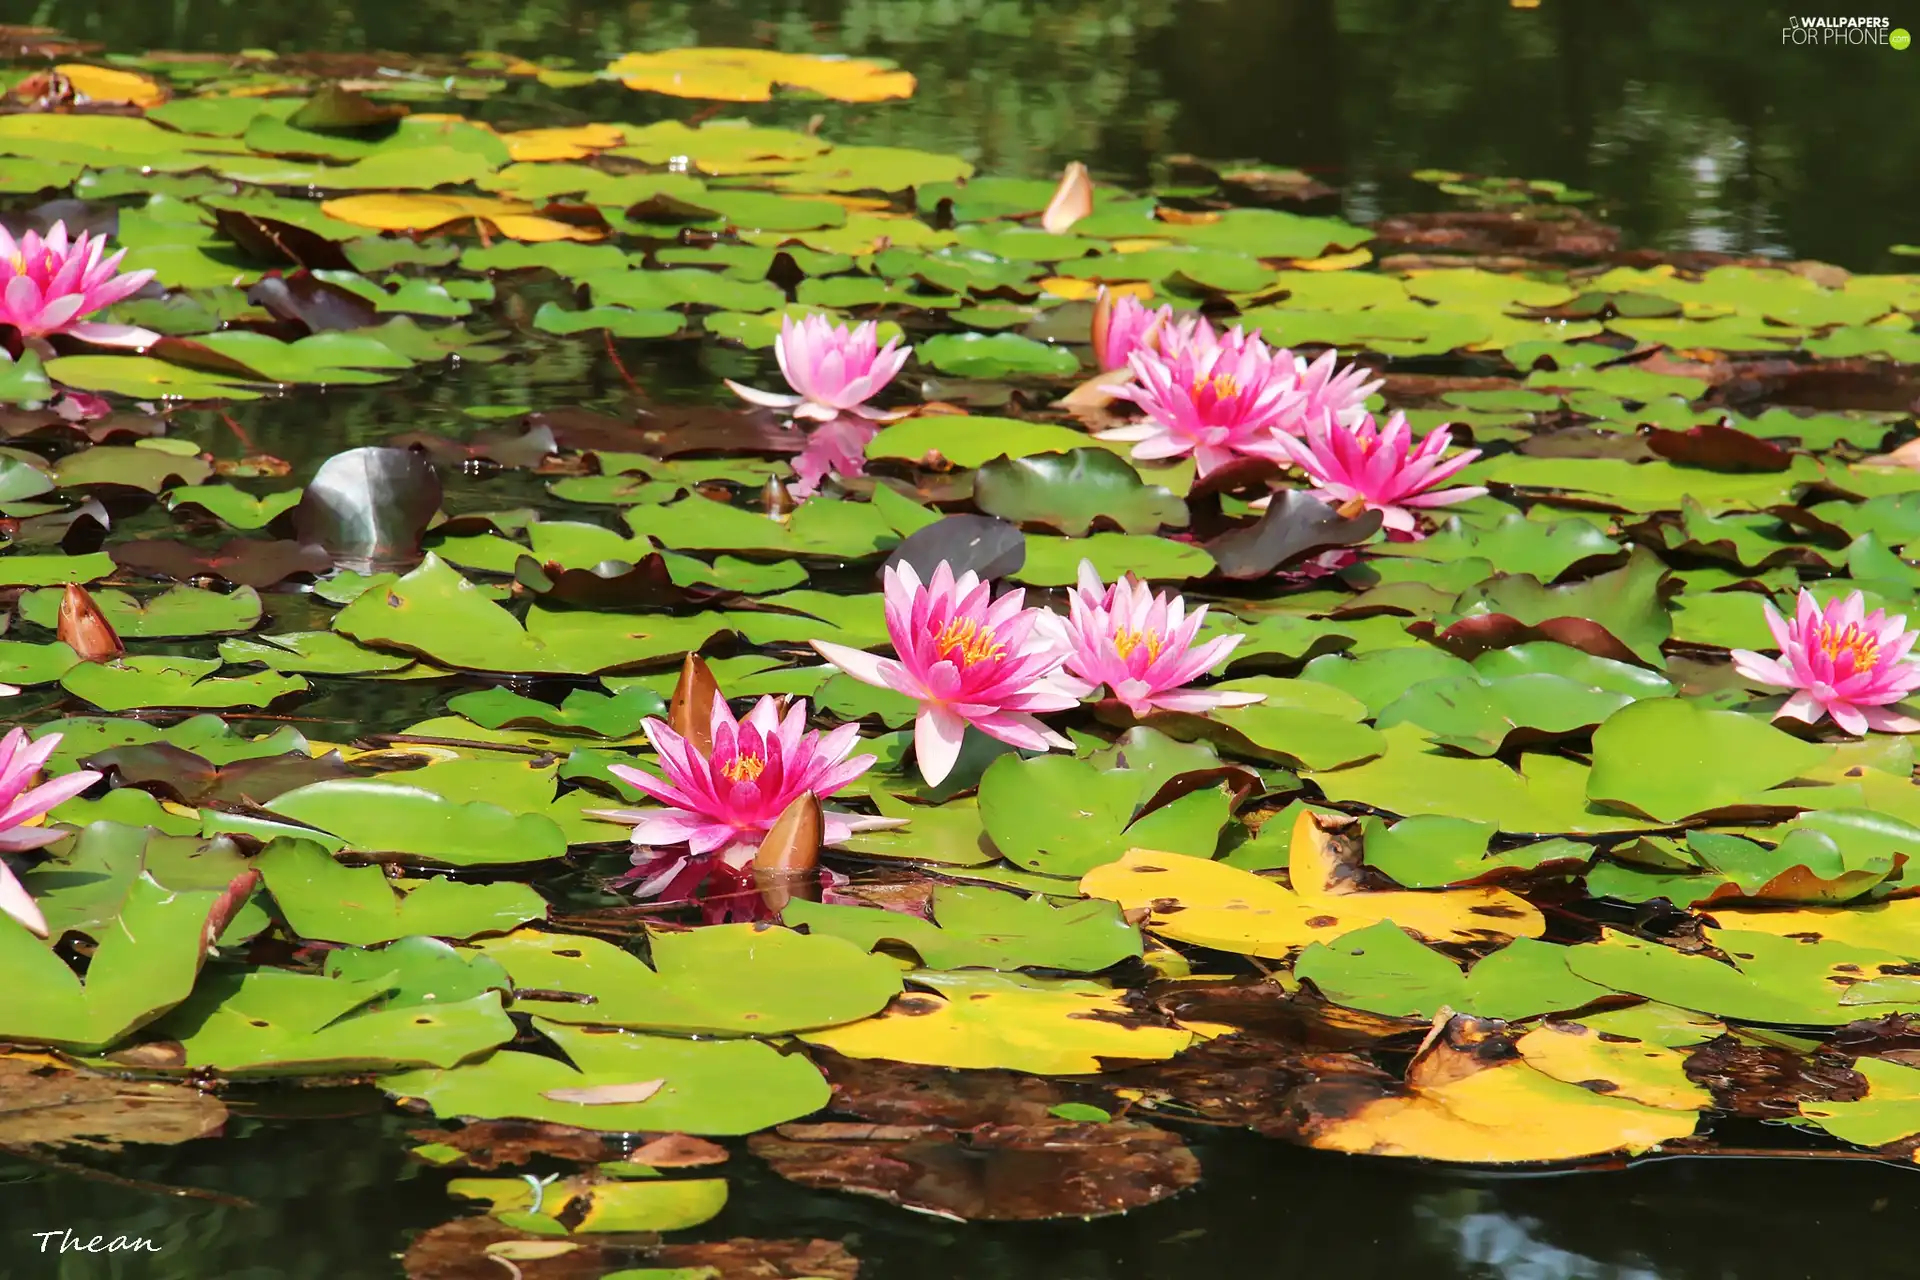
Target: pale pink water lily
[
  {"x": 21, "y": 803},
  {"x": 1840, "y": 661},
  {"x": 726, "y": 800},
  {"x": 836, "y": 448},
  {"x": 834, "y": 369},
  {"x": 1379, "y": 468},
  {"x": 967, "y": 659},
  {"x": 48, "y": 284},
  {"x": 1141, "y": 646},
  {"x": 1218, "y": 399}
]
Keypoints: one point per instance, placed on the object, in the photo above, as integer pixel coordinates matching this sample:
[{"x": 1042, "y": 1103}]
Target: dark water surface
[{"x": 1693, "y": 122}]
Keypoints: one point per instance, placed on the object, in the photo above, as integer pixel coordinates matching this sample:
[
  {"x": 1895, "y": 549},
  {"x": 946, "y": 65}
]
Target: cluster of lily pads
[{"x": 1459, "y": 834}]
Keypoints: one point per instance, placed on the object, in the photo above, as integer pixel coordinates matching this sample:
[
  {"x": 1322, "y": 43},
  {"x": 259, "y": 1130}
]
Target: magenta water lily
[
  {"x": 1840, "y": 661},
  {"x": 1140, "y": 645},
  {"x": 22, "y": 803},
  {"x": 49, "y": 285},
  {"x": 1380, "y": 468},
  {"x": 833, "y": 369},
  {"x": 1216, "y": 400},
  {"x": 966, "y": 659},
  {"x": 725, "y": 800}
]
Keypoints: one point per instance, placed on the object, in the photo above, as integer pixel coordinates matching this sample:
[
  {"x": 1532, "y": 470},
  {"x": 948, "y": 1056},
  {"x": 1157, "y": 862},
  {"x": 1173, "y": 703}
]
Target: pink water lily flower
[
  {"x": 1379, "y": 468},
  {"x": 1217, "y": 399},
  {"x": 967, "y": 659},
  {"x": 726, "y": 800},
  {"x": 1327, "y": 390},
  {"x": 1122, "y": 325},
  {"x": 21, "y": 803},
  {"x": 48, "y": 284},
  {"x": 1140, "y": 645},
  {"x": 1840, "y": 661},
  {"x": 834, "y": 369}
]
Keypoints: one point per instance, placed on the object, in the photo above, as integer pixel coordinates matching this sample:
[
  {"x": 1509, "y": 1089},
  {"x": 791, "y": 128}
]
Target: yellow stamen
[
  {"x": 1864, "y": 648},
  {"x": 970, "y": 641},
  {"x": 1125, "y": 642},
  {"x": 743, "y": 768},
  {"x": 1223, "y": 386}
]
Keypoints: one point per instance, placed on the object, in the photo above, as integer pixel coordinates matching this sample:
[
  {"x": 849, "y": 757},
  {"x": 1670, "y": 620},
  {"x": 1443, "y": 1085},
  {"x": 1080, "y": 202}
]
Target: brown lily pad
[
  {"x": 474, "y": 1248},
  {"x": 46, "y": 1105},
  {"x": 1241, "y": 1079},
  {"x": 1770, "y": 1081},
  {"x": 902, "y": 1093},
  {"x": 993, "y": 1173},
  {"x": 490, "y": 1144}
]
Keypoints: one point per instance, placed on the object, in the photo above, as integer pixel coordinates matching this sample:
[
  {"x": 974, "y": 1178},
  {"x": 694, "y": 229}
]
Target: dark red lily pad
[
  {"x": 517, "y": 449},
  {"x": 179, "y": 774},
  {"x": 1294, "y": 526},
  {"x": 1719, "y": 448},
  {"x": 313, "y": 304},
  {"x": 245, "y": 562},
  {"x": 990, "y": 547}
]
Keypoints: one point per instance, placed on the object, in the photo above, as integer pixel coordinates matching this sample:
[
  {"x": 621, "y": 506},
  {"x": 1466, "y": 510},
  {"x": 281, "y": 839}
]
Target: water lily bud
[
  {"x": 776, "y": 499},
  {"x": 85, "y": 630},
  {"x": 1072, "y": 200},
  {"x": 690, "y": 714},
  {"x": 1103, "y": 304},
  {"x": 785, "y": 865}
]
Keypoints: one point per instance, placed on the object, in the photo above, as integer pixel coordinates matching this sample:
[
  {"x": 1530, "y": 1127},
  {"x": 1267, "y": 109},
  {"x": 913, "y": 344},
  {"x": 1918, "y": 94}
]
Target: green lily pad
[
  {"x": 1062, "y": 816},
  {"x": 1070, "y": 491},
  {"x": 1382, "y": 969},
  {"x": 720, "y": 980},
  {"x": 235, "y": 506},
  {"x": 373, "y": 816},
  {"x": 972, "y": 441},
  {"x": 24, "y": 663},
  {"x": 1669, "y": 758},
  {"x": 159, "y": 681},
  {"x": 985, "y": 928},
  {"x": 583, "y": 711},
  {"x": 174, "y": 613},
  {"x": 320, "y": 653},
  {"x": 276, "y": 1021},
  {"x": 140, "y": 971},
  {"x": 1764, "y": 978},
  {"x": 713, "y": 1087},
  {"x": 321, "y": 899},
  {"x": 998, "y": 355}
]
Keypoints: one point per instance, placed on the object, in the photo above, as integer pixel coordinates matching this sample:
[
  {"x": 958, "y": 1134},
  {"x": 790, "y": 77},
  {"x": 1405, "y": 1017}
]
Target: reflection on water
[
  {"x": 1695, "y": 123},
  {"x": 1470, "y": 1227}
]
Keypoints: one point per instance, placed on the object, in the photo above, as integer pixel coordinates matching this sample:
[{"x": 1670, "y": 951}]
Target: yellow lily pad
[
  {"x": 748, "y": 75},
  {"x": 1476, "y": 1103},
  {"x": 982, "y": 1021},
  {"x": 1615, "y": 1065},
  {"x": 407, "y": 211},
  {"x": 1214, "y": 905}
]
